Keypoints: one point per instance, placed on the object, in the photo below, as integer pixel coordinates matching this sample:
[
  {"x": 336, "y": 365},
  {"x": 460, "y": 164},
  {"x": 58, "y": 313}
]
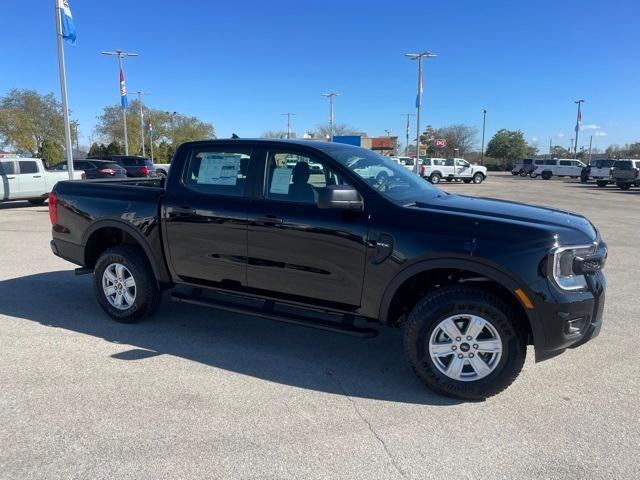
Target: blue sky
[{"x": 240, "y": 65}]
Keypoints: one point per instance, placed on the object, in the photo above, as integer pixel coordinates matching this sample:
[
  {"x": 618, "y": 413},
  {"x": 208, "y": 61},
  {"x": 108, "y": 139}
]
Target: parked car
[
  {"x": 27, "y": 179},
  {"x": 600, "y": 171},
  {"x": 436, "y": 169},
  {"x": 625, "y": 173},
  {"x": 472, "y": 281},
  {"x": 559, "y": 168},
  {"x": 526, "y": 167},
  {"x": 406, "y": 162},
  {"x": 95, "y": 168},
  {"x": 135, "y": 166}
]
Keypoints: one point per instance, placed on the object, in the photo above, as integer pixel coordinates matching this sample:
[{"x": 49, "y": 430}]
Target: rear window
[
  {"x": 136, "y": 162},
  {"x": 604, "y": 163},
  {"x": 550, "y": 162},
  {"x": 539, "y": 162},
  {"x": 565, "y": 163},
  {"x": 623, "y": 164},
  {"x": 218, "y": 172},
  {"x": 112, "y": 165}
]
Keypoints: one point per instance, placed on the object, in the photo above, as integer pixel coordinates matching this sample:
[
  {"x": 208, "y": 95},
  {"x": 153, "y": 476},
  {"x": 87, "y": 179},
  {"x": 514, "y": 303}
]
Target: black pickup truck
[{"x": 340, "y": 238}]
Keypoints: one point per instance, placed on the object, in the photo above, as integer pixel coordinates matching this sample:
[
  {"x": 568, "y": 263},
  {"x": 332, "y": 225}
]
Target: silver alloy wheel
[
  {"x": 119, "y": 286},
  {"x": 465, "y": 347}
]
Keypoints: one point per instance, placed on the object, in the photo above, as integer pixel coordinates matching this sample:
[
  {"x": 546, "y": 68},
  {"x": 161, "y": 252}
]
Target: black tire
[
  {"x": 546, "y": 175},
  {"x": 466, "y": 180},
  {"x": 533, "y": 175},
  {"x": 478, "y": 178},
  {"x": 624, "y": 186},
  {"x": 37, "y": 201},
  {"x": 449, "y": 301},
  {"x": 523, "y": 173},
  {"x": 435, "y": 178},
  {"x": 449, "y": 179},
  {"x": 514, "y": 173},
  {"x": 147, "y": 293},
  {"x": 602, "y": 183}
]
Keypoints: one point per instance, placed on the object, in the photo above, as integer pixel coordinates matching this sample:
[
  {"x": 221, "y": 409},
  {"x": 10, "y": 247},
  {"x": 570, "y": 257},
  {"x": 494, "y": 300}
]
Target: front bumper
[{"x": 569, "y": 319}]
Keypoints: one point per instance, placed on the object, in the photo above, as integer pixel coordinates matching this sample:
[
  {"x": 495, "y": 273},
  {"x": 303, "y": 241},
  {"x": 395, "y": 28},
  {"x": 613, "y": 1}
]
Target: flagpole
[{"x": 63, "y": 89}]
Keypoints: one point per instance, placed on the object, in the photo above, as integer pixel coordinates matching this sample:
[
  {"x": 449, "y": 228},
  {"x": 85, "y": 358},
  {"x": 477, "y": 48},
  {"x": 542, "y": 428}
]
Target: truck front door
[{"x": 32, "y": 183}]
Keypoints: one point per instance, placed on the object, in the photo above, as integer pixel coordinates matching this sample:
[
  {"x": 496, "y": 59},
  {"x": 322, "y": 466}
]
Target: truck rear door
[
  {"x": 204, "y": 213},
  {"x": 32, "y": 182}
]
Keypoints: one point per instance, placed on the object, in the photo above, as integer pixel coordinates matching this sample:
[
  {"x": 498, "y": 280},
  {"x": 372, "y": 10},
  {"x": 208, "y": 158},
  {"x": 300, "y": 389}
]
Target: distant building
[{"x": 385, "y": 145}]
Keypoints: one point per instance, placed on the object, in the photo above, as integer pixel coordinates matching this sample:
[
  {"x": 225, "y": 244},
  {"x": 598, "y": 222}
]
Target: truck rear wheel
[
  {"x": 602, "y": 183},
  {"x": 546, "y": 175},
  {"x": 463, "y": 342},
  {"x": 125, "y": 285}
]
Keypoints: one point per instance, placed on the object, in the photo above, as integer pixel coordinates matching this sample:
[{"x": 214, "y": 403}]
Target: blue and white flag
[
  {"x": 123, "y": 91},
  {"x": 66, "y": 20}
]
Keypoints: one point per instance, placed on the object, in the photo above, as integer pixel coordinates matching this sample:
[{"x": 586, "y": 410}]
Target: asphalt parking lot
[{"x": 197, "y": 393}]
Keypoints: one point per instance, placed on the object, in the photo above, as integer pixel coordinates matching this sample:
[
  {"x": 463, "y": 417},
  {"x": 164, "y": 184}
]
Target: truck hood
[{"x": 495, "y": 209}]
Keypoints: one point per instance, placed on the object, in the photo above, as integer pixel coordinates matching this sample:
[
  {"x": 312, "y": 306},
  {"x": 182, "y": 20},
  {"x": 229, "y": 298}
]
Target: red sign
[{"x": 440, "y": 143}]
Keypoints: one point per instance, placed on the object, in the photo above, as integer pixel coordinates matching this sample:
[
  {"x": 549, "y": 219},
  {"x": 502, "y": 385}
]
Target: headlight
[{"x": 562, "y": 268}]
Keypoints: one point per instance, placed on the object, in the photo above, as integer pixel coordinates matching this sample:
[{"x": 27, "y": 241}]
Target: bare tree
[
  {"x": 323, "y": 131},
  {"x": 279, "y": 134}
]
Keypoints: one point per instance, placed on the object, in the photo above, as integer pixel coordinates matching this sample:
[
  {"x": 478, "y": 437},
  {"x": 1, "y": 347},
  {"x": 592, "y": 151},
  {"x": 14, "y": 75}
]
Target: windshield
[{"x": 393, "y": 181}]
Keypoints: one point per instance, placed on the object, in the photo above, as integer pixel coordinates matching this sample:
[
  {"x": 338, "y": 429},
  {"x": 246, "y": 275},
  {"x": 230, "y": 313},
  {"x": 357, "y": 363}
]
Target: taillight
[
  {"x": 144, "y": 170},
  {"x": 53, "y": 208},
  {"x": 108, "y": 171}
]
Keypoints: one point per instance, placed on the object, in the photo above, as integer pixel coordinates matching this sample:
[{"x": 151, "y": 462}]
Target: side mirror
[{"x": 340, "y": 197}]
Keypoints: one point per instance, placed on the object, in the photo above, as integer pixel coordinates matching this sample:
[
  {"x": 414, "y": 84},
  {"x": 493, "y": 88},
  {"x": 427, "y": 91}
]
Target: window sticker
[
  {"x": 216, "y": 169},
  {"x": 281, "y": 180}
]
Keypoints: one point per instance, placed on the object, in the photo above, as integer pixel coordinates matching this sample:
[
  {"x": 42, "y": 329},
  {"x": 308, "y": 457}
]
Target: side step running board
[{"x": 345, "y": 327}]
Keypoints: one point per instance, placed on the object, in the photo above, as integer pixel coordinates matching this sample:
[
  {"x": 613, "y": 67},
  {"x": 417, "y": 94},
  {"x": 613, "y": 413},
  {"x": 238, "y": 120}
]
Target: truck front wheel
[
  {"x": 462, "y": 342},
  {"x": 478, "y": 178},
  {"x": 125, "y": 285}
]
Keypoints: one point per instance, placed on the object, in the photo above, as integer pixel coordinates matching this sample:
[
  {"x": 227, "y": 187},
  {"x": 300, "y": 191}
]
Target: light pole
[
  {"x": 288, "y": 114},
  {"x": 419, "y": 57},
  {"x": 550, "y": 149},
  {"x": 484, "y": 123},
  {"x": 578, "y": 120},
  {"x": 590, "y": 144},
  {"x": 123, "y": 92},
  {"x": 151, "y": 137},
  {"x": 140, "y": 94},
  {"x": 406, "y": 145},
  {"x": 330, "y": 97}
]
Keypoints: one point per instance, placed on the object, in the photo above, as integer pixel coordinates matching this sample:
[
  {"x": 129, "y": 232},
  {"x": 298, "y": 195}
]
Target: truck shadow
[{"x": 276, "y": 352}]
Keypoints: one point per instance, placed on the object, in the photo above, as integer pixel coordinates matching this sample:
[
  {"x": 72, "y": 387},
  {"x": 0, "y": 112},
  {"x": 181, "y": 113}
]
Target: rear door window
[
  {"x": 7, "y": 168},
  {"x": 565, "y": 163},
  {"x": 28, "y": 166},
  {"x": 218, "y": 172}
]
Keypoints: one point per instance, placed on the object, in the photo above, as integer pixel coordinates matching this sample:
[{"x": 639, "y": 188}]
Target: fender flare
[
  {"x": 464, "y": 263},
  {"x": 157, "y": 265}
]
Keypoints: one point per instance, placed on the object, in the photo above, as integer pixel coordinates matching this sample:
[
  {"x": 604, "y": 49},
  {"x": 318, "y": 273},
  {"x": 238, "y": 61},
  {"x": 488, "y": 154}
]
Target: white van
[{"x": 569, "y": 167}]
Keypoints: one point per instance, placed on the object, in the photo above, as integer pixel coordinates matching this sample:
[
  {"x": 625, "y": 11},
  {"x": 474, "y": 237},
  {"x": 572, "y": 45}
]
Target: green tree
[
  {"x": 560, "y": 152},
  {"x": 114, "y": 148},
  {"x": 174, "y": 128},
  {"x": 507, "y": 145},
  {"x": 51, "y": 152},
  {"x": 97, "y": 149},
  {"x": 28, "y": 118}
]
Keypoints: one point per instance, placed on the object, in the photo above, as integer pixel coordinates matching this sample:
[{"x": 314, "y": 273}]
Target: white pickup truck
[
  {"x": 436, "y": 169},
  {"x": 27, "y": 179}
]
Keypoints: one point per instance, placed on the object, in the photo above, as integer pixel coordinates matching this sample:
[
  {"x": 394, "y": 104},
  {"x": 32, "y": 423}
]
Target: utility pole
[
  {"x": 484, "y": 123},
  {"x": 578, "y": 120},
  {"x": 288, "y": 114},
  {"x": 550, "y": 148},
  {"x": 140, "y": 94},
  {"x": 419, "y": 57},
  {"x": 408, "y": 115},
  {"x": 330, "y": 97},
  {"x": 590, "y": 144},
  {"x": 123, "y": 92}
]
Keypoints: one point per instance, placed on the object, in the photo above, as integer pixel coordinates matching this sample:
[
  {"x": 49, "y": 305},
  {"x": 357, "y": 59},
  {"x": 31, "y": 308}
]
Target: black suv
[
  {"x": 357, "y": 243},
  {"x": 135, "y": 166}
]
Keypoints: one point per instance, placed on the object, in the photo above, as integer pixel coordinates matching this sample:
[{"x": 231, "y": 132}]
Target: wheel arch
[
  {"x": 94, "y": 244},
  {"x": 474, "y": 267}
]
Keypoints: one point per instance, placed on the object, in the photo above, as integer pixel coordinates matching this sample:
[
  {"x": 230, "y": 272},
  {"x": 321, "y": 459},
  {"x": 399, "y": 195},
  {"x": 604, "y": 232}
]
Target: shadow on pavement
[
  {"x": 276, "y": 352},
  {"x": 20, "y": 204}
]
